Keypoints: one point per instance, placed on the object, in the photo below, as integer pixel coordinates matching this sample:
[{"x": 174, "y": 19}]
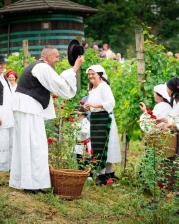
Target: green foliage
[
  {"x": 159, "y": 68},
  {"x": 150, "y": 171},
  {"x": 120, "y": 18},
  {"x": 15, "y": 62}
]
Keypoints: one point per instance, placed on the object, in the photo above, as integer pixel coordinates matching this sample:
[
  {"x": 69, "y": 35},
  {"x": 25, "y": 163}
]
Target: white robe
[
  {"x": 6, "y": 129},
  {"x": 30, "y": 168},
  {"x": 103, "y": 95}
]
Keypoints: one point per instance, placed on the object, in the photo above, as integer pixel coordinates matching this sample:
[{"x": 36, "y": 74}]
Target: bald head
[{"x": 51, "y": 55}]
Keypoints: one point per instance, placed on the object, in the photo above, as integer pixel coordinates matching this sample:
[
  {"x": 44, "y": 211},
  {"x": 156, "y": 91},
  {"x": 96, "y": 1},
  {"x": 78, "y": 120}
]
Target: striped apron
[{"x": 100, "y": 123}]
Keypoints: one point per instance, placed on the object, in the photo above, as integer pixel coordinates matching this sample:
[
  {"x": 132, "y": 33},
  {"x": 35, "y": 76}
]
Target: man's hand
[{"x": 79, "y": 61}]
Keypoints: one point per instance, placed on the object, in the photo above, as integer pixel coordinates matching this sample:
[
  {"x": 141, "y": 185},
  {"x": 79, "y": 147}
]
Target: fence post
[
  {"x": 25, "y": 45},
  {"x": 139, "y": 36}
]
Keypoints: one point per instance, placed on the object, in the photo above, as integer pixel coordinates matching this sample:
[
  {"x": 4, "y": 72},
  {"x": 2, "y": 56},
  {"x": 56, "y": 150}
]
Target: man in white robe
[
  {"x": 6, "y": 120},
  {"x": 32, "y": 102}
]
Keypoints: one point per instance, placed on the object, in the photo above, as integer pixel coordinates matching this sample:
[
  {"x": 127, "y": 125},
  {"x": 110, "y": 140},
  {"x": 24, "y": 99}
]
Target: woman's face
[
  {"x": 11, "y": 79},
  {"x": 169, "y": 91},
  {"x": 93, "y": 77},
  {"x": 157, "y": 98}
]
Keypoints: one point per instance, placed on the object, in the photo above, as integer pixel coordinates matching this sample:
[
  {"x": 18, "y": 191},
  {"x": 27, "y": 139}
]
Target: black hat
[
  {"x": 74, "y": 50},
  {"x": 2, "y": 59}
]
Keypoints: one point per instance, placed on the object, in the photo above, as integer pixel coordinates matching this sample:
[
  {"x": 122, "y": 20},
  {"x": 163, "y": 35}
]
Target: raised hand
[{"x": 79, "y": 61}]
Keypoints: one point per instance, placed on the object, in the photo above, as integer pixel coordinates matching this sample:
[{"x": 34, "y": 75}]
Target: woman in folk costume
[
  {"x": 6, "y": 120},
  {"x": 104, "y": 134},
  {"x": 30, "y": 169},
  {"x": 171, "y": 121},
  {"x": 12, "y": 79},
  {"x": 172, "y": 118},
  {"x": 161, "y": 109}
]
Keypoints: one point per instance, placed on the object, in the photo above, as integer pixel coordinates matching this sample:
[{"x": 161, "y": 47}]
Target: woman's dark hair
[
  {"x": 173, "y": 85},
  {"x": 165, "y": 100},
  {"x": 101, "y": 76}
]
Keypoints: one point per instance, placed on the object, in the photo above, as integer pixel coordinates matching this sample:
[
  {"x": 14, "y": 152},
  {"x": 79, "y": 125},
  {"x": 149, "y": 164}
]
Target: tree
[{"x": 116, "y": 21}]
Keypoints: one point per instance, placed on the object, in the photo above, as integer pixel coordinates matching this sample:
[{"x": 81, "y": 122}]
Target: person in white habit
[
  {"x": 162, "y": 108},
  {"x": 33, "y": 103},
  {"x": 101, "y": 103},
  {"x": 6, "y": 120}
]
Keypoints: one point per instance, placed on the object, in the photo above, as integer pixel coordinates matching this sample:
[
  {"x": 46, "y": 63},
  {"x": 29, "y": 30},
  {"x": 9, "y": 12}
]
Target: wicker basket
[
  {"x": 164, "y": 143},
  {"x": 68, "y": 184}
]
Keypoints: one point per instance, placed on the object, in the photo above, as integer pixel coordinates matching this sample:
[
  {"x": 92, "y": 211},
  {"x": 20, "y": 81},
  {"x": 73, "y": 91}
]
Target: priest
[{"x": 33, "y": 103}]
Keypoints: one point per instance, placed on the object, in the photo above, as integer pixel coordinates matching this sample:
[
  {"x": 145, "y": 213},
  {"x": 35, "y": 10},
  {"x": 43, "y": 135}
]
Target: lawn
[{"x": 121, "y": 203}]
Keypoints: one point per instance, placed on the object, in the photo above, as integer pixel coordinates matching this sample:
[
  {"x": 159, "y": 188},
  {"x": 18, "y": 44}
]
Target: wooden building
[{"x": 42, "y": 23}]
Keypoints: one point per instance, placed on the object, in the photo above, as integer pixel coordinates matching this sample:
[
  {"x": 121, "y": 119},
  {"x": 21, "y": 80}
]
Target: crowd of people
[
  {"x": 25, "y": 106},
  {"x": 105, "y": 51}
]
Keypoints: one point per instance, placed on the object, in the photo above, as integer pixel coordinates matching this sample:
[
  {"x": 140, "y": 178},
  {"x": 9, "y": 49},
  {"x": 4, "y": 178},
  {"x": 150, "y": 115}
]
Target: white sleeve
[
  {"x": 173, "y": 118},
  {"x": 63, "y": 85},
  {"x": 108, "y": 98}
]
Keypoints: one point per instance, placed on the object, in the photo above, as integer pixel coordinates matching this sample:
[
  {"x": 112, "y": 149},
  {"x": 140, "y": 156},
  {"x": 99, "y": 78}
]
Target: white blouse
[
  {"x": 173, "y": 117},
  {"x": 102, "y": 94}
]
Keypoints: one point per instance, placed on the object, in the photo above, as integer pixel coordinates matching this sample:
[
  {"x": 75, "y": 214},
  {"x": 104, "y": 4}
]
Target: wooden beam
[
  {"x": 26, "y": 53},
  {"x": 140, "y": 53}
]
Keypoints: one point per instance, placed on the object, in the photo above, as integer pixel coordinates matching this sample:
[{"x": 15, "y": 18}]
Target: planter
[
  {"x": 68, "y": 184},
  {"x": 165, "y": 143}
]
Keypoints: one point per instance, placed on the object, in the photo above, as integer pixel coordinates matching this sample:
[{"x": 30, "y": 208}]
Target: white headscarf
[
  {"x": 98, "y": 68},
  {"x": 162, "y": 90}
]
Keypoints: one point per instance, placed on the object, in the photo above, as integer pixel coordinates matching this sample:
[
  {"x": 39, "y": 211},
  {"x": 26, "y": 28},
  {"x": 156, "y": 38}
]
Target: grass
[{"x": 119, "y": 204}]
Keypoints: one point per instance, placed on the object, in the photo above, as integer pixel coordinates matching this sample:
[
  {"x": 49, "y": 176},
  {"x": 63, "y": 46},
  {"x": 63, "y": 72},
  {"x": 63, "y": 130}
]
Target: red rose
[
  {"x": 82, "y": 102},
  {"x": 92, "y": 151},
  {"x": 109, "y": 181},
  {"x": 153, "y": 117},
  {"x": 55, "y": 106},
  {"x": 160, "y": 184},
  {"x": 54, "y": 97},
  {"x": 50, "y": 140},
  {"x": 94, "y": 160},
  {"x": 149, "y": 112},
  {"x": 71, "y": 119}
]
